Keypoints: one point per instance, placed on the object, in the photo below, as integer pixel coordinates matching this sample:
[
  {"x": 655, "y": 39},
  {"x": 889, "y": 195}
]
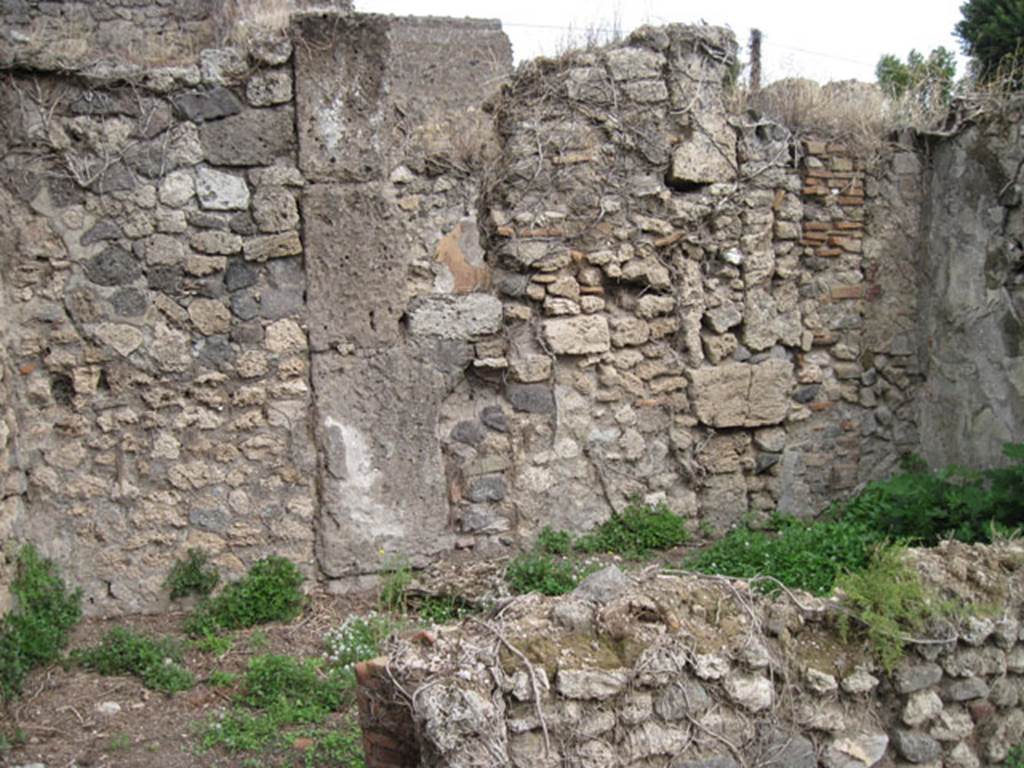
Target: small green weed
[
  {"x": 213, "y": 643},
  {"x": 340, "y": 747},
  {"x": 443, "y": 609},
  {"x": 36, "y": 631},
  {"x": 890, "y": 600},
  {"x": 192, "y": 576},
  {"x": 268, "y": 592},
  {"x": 538, "y": 572},
  {"x": 397, "y": 577},
  {"x": 357, "y": 639},
  {"x": 301, "y": 688},
  {"x": 257, "y": 641},
  {"x": 11, "y": 739},
  {"x": 635, "y": 531},
  {"x": 277, "y": 692},
  {"x": 923, "y": 507},
  {"x": 802, "y": 555},
  {"x": 1015, "y": 759},
  {"x": 156, "y": 661},
  {"x": 552, "y": 542},
  {"x": 218, "y": 678},
  {"x": 119, "y": 742}
]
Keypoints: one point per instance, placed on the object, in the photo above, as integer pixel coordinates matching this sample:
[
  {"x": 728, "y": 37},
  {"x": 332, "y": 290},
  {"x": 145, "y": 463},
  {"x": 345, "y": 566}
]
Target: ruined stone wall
[
  {"x": 972, "y": 289},
  {"x": 12, "y": 475},
  {"x": 689, "y": 671},
  {"x": 687, "y": 294},
  {"x": 340, "y": 296},
  {"x": 156, "y": 302},
  {"x": 393, "y": 141}
]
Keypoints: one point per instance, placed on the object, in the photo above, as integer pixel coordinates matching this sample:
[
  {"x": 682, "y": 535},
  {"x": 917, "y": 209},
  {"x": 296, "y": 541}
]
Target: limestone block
[
  {"x": 272, "y": 246},
  {"x": 124, "y": 338},
  {"x": 742, "y": 395},
  {"x": 530, "y": 369},
  {"x": 285, "y": 337},
  {"x": 462, "y": 317},
  {"x": 209, "y": 316},
  {"x": 219, "y": 191},
  {"x": 583, "y": 335},
  {"x": 274, "y": 209},
  {"x": 268, "y": 88},
  {"x": 752, "y": 692},
  {"x": 862, "y": 750},
  {"x": 222, "y": 66},
  {"x": 177, "y": 188},
  {"x": 591, "y": 684},
  {"x": 707, "y": 156},
  {"x": 635, "y": 64}
]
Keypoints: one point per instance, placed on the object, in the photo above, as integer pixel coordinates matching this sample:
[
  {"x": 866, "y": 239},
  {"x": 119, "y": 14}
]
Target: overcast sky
[{"x": 820, "y": 39}]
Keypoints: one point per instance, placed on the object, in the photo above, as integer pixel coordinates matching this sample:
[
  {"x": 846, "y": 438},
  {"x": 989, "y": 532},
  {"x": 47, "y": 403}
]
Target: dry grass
[
  {"x": 849, "y": 112},
  {"x": 242, "y": 21},
  {"x": 863, "y": 118}
]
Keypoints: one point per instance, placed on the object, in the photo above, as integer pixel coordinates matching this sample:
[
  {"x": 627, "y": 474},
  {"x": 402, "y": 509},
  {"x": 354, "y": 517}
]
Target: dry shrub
[
  {"x": 848, "y": 112},
  {"x": 863, "y": 118},
  {"x": 465, "y": 139},
  {"x": 242, "y": 21}
]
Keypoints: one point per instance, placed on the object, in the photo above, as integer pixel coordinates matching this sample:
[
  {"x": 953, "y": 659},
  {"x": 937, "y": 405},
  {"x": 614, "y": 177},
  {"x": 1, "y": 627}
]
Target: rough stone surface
[
  {"x": 455, "y": 317},
  {"x": 742, "y": 395},
  {"x": 219, "y": 191}
]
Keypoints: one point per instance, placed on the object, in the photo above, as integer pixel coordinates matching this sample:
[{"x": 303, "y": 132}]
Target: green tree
[
  {"x": 990, "y": 32},
  {"x": 930, "y": 79}
]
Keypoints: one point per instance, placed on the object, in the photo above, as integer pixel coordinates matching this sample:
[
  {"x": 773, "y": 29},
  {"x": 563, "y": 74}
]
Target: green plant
[
  {"x": 341, "y": 747},
  {"x": 36, "y": 631},
  {"x": 1015, "y": 758},
  {"x": 11, "y": 739},
  {"x": 192, "y": 576},
  {"x": 443, "y": 609},
  {"x": 218, "y": 678},
  {"x": 277, "y": 692},
  {"x": 554, "y": 542},
  {"x": 213, "y": 643},
  {"x": 923, "y": 507},
  {"x": 801, "y": 555},
  {"x": 119, "y": 742},
  {"x": 357, "y": 639},
  {"x": 991, "y": 32},
  {"x": 257, "y": 641},
  {"x": 889, "y": 599},
  {"x": 300, "y": 687},
  {"x": 928, "y": 79},
  {"x": 538, "y": 572},
  {"x": 398, "y": 576},
  {"x": 635, "y": 531},
  {"x": 155, "y": 661},
  {"x": 268, "y": 592}
]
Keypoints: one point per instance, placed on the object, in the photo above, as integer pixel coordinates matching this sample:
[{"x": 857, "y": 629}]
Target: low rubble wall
[{"x": 692, "y": 671}]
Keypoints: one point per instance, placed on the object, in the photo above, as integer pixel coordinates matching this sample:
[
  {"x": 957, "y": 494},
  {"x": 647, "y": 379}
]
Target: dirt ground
[{"x": 66, "y": 718}]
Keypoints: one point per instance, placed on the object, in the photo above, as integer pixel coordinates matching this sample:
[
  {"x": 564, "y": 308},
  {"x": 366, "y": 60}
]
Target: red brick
[
  {"x": 828, "y": 252},
  {"x": 817, "y": 226},
  {"x": 847, "y": 200},
  {"x": 843, "y": 292}
]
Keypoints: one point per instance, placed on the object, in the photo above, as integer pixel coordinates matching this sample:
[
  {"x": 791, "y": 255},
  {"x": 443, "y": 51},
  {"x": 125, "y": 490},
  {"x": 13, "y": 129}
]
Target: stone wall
[
  {"x": 157, "y": 306},
  {"x": 972, "y": 292},
  {"x": 690, "y": 671},
  {"x": 359, "y": 294},
  {"x": 688, "y": 292},
  {"x": 12, "y": 474}
]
